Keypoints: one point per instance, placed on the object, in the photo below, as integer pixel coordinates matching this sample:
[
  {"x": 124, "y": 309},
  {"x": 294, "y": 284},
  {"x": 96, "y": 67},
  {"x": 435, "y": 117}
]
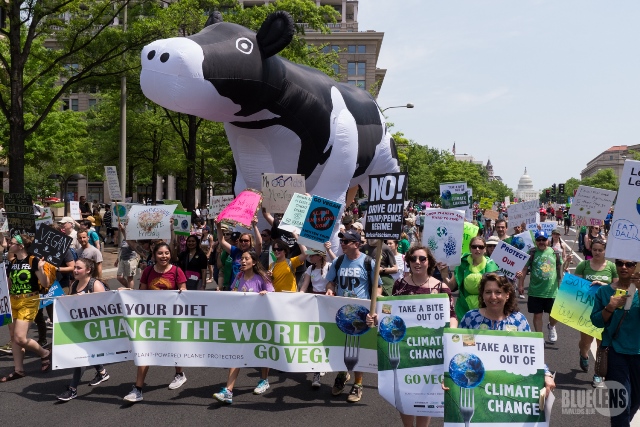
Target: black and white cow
[{"x": 280, "y": 117}]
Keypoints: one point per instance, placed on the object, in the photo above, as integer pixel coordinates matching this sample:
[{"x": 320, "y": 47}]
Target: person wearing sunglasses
[
  {"x": 621, "y": 321},
  {"x": 594, "y": 233},
  {"x": 468, "y": 274},
  {"x": 283, "y": 271},
  {"x": 246, "y": 242},
  {"x": 546, "y": 275},
  {"x": 599, "y": 272}
]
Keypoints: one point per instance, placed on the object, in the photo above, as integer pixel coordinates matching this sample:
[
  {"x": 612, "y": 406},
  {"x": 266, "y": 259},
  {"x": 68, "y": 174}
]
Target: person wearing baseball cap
[
  {"x": 66, "y": 226},
  {"x": 491, "y": 244}
]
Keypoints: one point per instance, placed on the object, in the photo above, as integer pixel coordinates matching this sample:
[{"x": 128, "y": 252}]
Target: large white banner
[
  {"x": 443, "y": 234},
  {"x": 623, "y": 237},
  {"x": 293, "y": 332},
  {"x": 527, "y": 212},
  {"x": 149, "y": 222},
  {"x": 592, "y": 203}
]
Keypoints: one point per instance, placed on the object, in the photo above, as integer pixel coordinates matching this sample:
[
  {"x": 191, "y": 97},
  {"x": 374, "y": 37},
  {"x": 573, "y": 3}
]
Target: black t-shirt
[
  {"x": 196, "y": 263},
  {"x": 387, "y": 260},
  {"x": 285, "y": 236},
  {"x": 63, "y": 278}
]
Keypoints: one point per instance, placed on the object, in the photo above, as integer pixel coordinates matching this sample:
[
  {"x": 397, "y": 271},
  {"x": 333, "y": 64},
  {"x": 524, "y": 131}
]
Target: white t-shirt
[
  {"x": 401, "y": 267},
  {"x": 318, "y": 277}
]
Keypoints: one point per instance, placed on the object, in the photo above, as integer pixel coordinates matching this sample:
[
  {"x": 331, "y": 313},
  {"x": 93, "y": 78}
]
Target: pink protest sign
[{"x": 243, "y": 209}]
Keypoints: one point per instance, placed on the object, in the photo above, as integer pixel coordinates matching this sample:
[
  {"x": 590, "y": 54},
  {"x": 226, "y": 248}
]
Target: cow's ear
[
  {"x": 275, "y": 33},
  {"x": 214, "y": 18}
]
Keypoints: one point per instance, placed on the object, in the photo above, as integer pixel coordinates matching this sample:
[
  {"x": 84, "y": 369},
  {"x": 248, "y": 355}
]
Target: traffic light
[
  {"x": 561, "y": 188},
  {"x": 553, "y": 188}
]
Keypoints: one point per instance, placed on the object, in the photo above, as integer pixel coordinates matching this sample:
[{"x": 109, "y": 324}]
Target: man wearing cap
[
  {"x": 491, "y": 244},
  {"x": 546, "y": 276},
  {"x": 66, "y": 226},
  {"x": 349, "y": 277}
]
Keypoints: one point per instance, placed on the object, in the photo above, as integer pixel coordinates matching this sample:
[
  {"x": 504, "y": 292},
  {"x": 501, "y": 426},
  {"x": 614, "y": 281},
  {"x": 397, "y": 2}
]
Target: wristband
[{"x": 608, "y": 311}]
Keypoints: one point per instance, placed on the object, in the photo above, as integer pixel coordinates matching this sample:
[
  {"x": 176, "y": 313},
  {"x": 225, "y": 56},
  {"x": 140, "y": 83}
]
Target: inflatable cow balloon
[{"x": 280, "y": 117}]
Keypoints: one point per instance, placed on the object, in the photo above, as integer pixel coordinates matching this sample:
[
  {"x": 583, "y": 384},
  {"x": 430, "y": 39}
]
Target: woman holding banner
[
  {"x": 620, "y": 319},
  {"x": 26, "y": 272},
  {"x": 599, "y": 272},
  {"x": 468, "y": 274},
  {"x": 283, "y": 271},
  {"x": 159, "y": 277}
]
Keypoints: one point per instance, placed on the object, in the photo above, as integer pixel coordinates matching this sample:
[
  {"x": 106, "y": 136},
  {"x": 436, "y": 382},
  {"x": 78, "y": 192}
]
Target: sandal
[
  {"x": 45, "y": 363},
  {"x": 15, "y": 375}
]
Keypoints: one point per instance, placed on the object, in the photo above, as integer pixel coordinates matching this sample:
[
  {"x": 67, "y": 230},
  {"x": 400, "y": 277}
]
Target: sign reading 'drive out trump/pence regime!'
[{"x": 386, "y": 202}]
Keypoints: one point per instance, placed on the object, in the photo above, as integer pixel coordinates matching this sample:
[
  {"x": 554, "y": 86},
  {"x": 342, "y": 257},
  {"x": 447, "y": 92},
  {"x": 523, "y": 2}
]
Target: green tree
[{"x": 604, "y": 178}]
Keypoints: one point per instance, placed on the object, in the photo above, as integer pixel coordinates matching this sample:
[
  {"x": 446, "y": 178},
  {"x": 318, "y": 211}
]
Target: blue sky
[{"x": 542, "y": 84}]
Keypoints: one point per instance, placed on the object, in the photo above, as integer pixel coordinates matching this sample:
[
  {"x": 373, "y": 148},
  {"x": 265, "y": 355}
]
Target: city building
[
  {"x": 492, "y": 177},
  {"x": 612, "y": 158},
  {"x": 525, "y": 191}
]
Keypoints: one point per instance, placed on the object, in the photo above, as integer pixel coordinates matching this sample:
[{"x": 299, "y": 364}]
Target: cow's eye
[{"x": 244, "y": 45}]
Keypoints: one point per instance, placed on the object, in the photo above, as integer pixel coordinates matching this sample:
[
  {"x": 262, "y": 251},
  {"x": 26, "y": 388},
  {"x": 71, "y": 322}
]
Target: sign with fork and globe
[
  {"x": 493, "y": 378},
  {"x": 410, "y": 355}
]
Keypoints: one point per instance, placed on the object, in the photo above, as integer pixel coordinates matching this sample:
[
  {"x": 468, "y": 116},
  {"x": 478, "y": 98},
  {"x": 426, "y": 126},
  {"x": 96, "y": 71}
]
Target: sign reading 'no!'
[{"x": 386, "y": 202}]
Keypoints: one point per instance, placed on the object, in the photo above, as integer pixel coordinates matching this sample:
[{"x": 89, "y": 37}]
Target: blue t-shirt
[
  {"x": 353, "y": 278},
  {"x": 93, "y": 238},
  {"x": 235, "y": 254}
]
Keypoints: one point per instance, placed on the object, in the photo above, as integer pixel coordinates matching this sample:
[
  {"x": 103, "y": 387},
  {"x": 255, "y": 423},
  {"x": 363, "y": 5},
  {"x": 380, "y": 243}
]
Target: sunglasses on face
[
  {"x": 542, "y": 239},
  {"x": 628, "y": 264},
  {"x": 278, "y": 249},
  {"x": 345, "y": 242},
  {"x": 476, "y": 246},
  {"x": 413, "y": 258},
  {"x": 244, "y": 241}
]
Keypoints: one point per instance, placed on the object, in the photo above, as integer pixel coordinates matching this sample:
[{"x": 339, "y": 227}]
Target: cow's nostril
[
  {"x": 164, "y": 57},
  {"x": 151, "y": 54}
]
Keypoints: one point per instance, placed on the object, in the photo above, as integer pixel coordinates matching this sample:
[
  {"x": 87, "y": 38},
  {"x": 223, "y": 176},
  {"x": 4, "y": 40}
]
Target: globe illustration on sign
[
  {"x": 517, "y": 242},
  {"x": 392, "y": 329},
  {"x": 119, "y": 211},
  {"x": 352, "y": 319},
  {"x": 446, "y": 195},
  {"x": 466, "y": 370},
  {"x": 638, "y": 205},
  {"x": 184, "y": 224}
]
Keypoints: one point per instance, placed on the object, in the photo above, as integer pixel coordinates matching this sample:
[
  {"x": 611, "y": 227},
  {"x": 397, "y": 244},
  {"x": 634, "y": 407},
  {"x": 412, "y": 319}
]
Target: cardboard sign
[
  {"x": 296, "y": 212},
  {"x": 113, "y": 184},
  {"x": 509, "y": 259},
  {"x": 182, "y": 223},
  {"x": 623, "y": 237},
  {"x": 19, "y": 210},
  {"x": 454, "y": 195},
  {"x": 149, "y": 222},
  {"x": 243, "y": 210},
  {"x": 74, "y": 210},
  {"x": 50, "y": 245},
  {"x": 5, "y": 301},
  {"x": 322, "y": 217},
  {"x": 443, "y": 234},
  {"x": 527, "y": 212},
  {"x": 174, "y": 202},
  {"x": 278, "y": 189},
  {"x": 590, "y": 202},
  {"x": 491, "y": 215},
  {"x": 218, "y": 203},
  {"x": 386, "y": 202},
  {"x": 574, "y": 304}
]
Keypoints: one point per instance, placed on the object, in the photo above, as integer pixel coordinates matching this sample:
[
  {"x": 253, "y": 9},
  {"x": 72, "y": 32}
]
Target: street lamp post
[
  {"x": 63, "y": 185},
  {"x": 409, "y": 105}
]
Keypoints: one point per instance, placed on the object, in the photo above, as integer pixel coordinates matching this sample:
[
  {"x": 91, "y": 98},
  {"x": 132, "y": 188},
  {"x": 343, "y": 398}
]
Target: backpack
[
  {"x": 367, "y": 266},
  {"x": 89, "y": 288}
]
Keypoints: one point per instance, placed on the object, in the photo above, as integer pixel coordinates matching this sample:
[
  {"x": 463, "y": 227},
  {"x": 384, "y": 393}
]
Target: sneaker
[
  {"x": 553, "y": 335},
  {"x": 49, "y": 324},
  {"x": 67, "y": 395},
  {"x": 262, "y": 386},
  {"x": 322, "y": 374},
  {"x": 178, "y": 380},
  {"x": 6, "y": 348},
  {"x": 224, "y": 395},
  {"x": 99, "y": 378},
  {"x": 315, "y": 383},
  {"x": 355, "y": 394},
  {"x": 584, "y": 363},
  {"x": 339, "y": 384},
  {"x": 134, "y": 396},
  {"x": 597, "y": 382}
]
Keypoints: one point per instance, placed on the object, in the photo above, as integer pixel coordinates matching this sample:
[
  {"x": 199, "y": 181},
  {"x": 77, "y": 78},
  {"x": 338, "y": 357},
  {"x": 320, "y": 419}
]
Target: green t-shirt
[
  {"x": 543, "y": 282},
  {"x": 403, "y": 246},
  {"x": 605, "y": 275}
]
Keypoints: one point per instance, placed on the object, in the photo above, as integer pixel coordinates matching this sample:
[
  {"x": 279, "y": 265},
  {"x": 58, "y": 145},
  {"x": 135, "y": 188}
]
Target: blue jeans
[{"x": 625, "y": 369}]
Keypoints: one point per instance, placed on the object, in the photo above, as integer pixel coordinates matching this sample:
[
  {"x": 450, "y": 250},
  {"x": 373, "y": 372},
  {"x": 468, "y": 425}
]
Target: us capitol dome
[{"x": 525, "y": 191}]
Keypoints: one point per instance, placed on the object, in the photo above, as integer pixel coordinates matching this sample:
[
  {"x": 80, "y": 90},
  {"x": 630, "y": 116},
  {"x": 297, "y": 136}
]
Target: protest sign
[
  {"x": 522, "y": 241},
  {"x": 507, "y": 201},
  {"x": 580, "y": 221},
  {"x": 113, "y": 184},
  {"x": 574, "y": 304},
  {"x": 120, "y": 212},
  {"x": 547, "y": 226},
  {"x": 74, "y": 210},
  {"x": 410, "y": 352},
  {"x": 46, "y": 220},
  {"x": 509, "y": 259},
  {"x": 278, "y": 189},
  {"x": 527, "y": 212},
  {"x": 296, "y": 213},
  {"x": 149, "y": 222},
  {"x": 20, "y": 217},
  {"x": 454, "y": 195},
  {"x": 491, "y": 214},
  {"x": 494, "y": 376},
  {"x": 55, "y": 291},
  {"x": 623, "y": 236},
  {"x": 182, "y": 223},
  {"x": 486, "y": 203},
  {"x": 178, "y": 203},
  {"x": 294, "y": 332},
  {"x": 384, "y": 212},
  {"x": 443, "y": 234},
  {"x": 469, "y": 232},
  {"x": 50, "y": 245},
  {"x": 243, "y": 210},
  {"x": 217, "y": 204},
  {"x": 321, "y": 219},
  {"x": 590, "y": 202},
  {"x": 5, "y": 300}
]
